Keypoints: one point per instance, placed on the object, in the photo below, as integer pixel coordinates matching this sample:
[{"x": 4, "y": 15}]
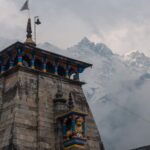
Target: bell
[{"x": 38, "y": 22}]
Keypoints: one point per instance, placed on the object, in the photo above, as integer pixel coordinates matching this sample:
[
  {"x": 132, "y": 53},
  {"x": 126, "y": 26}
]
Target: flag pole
[{"x": 36, "y": 21}]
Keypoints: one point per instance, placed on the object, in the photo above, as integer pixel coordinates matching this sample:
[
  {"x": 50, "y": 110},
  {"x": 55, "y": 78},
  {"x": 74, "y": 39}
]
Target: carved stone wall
[{"x": 27, "y": 111}]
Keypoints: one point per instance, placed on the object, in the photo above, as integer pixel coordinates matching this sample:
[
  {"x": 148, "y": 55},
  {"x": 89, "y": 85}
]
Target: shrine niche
[{"x": 73, "y": 126}]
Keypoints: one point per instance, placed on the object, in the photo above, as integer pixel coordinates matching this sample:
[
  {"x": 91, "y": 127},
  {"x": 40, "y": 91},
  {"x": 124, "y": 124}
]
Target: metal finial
[
  {"x": 29, "y": 34},
  {"x": 29, "y": 29}
]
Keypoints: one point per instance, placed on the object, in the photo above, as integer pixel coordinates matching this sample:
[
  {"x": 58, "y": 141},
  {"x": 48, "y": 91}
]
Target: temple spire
[{"x": 29, "y": 40}]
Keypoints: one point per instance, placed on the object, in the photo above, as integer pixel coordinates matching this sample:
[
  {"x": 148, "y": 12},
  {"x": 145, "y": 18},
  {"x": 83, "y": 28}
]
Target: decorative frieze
[{"x": 32, "y": 57}]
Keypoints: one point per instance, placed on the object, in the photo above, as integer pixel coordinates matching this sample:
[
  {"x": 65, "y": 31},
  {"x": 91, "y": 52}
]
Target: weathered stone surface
[{"x": 27, "y": 119}]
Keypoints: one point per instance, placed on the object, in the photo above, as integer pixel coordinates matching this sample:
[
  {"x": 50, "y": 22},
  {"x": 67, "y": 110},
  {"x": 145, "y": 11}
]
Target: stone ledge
[{"x": 40, "y": 73}]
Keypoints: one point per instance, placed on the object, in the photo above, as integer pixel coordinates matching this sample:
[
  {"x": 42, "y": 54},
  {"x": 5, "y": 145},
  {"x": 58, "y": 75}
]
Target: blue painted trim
[{"x": 74, "y": 141}]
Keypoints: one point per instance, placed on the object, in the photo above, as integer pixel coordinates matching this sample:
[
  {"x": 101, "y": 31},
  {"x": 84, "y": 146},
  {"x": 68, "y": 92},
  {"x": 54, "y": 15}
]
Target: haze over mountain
[{"x": 117, "y": 91}]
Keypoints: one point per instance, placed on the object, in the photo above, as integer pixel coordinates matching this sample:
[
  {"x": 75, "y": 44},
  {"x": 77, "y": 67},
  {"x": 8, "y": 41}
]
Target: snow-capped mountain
[
  {"x": 85, "y": 47},
  {"x": 138, "y": 59},
  {"x": 117, "y": 91},
  {"x": 114, "y": 93}
]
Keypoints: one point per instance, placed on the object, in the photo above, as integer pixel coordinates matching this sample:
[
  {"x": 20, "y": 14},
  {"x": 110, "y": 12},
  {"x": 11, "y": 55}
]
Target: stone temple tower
[{"x": 42, "y": 105}]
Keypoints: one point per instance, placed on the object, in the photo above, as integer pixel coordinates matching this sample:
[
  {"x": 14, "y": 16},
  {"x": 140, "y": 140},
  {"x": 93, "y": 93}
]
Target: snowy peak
[
  {"x": 138, "y": 59},
  {"x": 85, "y": 41},
  {"x": 85, "y": 46},
  {"x": 103, "y": 49},
  {"x": 135, "y": 55}
]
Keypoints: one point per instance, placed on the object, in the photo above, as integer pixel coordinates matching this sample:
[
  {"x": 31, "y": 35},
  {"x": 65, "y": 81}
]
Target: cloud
[
  {"x": 124, "y": 120},
  {"x": 123, "y": 25}
]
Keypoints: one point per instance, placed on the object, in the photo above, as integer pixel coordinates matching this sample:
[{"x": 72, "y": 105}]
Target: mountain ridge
[{"x": 116, "y": 85}]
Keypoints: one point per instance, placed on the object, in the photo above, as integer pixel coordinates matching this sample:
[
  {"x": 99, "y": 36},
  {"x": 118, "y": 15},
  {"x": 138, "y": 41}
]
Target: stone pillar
[
  {"x": 32, "y": 61},
  {"x": 44, "y": 67},
  {"x": 11, "y": 63},
  {"x": 44, "y": 64},
  {"x": 19, "y": 57},
  {"x": 67, "y": 73},
  {"x": 76, "y": 76},
  {"x": 67, "y": 70},
  {"x": 56, "y": 68}
]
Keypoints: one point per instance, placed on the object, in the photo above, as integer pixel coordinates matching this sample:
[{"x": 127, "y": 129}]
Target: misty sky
[{"x": 123, "y": 25}]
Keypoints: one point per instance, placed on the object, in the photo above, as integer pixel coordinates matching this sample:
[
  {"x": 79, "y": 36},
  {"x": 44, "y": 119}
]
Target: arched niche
[
  {"x": 50, "y": 68},
  {"x": 38, "y": 64},
  {"x": 26, "y": 61},
  {"x": 61, "y": 71}
]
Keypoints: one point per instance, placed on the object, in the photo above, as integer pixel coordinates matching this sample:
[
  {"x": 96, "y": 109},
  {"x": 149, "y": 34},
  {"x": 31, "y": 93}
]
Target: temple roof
[{"x": 44, "y": 52}]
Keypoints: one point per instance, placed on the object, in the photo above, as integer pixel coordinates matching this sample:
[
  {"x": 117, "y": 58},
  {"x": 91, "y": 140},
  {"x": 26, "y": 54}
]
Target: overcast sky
[{"x": 123, "y": 25}]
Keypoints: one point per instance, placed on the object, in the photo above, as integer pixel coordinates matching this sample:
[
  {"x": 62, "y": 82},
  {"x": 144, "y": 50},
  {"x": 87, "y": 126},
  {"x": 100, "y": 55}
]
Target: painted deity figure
[
  {"x": 79, "y": 127},
  {"x": 75, "y": 129}
]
